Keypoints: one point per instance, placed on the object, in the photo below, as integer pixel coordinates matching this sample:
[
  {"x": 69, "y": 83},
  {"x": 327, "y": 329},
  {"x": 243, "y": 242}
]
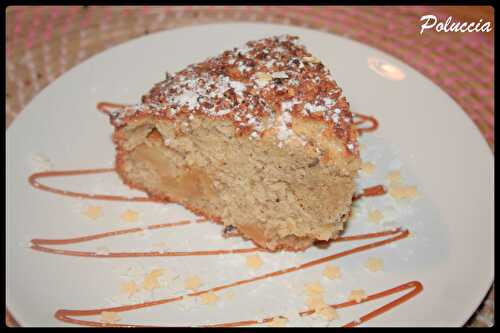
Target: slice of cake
[{"x": 258, "y": 138}]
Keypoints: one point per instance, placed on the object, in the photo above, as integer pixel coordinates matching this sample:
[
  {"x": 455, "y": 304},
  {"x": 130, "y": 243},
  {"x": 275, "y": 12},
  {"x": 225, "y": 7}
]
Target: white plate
[{"x": 422, "y": 131}]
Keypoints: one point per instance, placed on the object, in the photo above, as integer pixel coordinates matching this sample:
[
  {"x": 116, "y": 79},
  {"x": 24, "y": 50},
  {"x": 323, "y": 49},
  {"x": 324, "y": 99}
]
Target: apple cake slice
[{"x": 258, "y": 138}]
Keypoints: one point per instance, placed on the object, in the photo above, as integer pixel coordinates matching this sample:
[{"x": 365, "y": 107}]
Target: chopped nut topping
[
  {"x": 246, "y": 85},
  {"x": 313, "y": 60},
  {"x": 263, "y": 76}
]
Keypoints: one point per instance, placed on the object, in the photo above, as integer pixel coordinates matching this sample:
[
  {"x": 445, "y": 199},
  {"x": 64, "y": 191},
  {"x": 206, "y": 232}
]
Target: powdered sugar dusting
[
  {"x": 248, "y": 85},
  {"x": 284, "y": 130}
]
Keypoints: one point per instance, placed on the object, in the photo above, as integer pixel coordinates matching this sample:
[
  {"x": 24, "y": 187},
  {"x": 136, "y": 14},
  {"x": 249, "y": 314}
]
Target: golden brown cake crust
[{"x": 275, "y": 75}]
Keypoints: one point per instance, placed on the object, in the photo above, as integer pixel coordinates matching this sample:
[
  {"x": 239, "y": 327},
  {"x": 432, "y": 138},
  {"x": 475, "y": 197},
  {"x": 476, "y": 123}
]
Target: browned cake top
[{"x": 273, "y": 77}]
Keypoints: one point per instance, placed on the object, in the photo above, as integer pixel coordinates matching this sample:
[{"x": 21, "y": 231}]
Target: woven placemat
[{"x": 44, "y": 42}]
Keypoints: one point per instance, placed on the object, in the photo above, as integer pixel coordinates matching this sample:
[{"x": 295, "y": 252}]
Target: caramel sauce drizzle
[
  {"x": 44, "y": 245},
  {"x": 414, "y": 287},
  {"x": 396, "y": 234},
  {"x": 107, "y": 107},
  {"x": 33, "y": 180},
  {"x": 370, "y": 192},
  {"x": 39, "y": 244},
  {"x": 373, "y": 122}
]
